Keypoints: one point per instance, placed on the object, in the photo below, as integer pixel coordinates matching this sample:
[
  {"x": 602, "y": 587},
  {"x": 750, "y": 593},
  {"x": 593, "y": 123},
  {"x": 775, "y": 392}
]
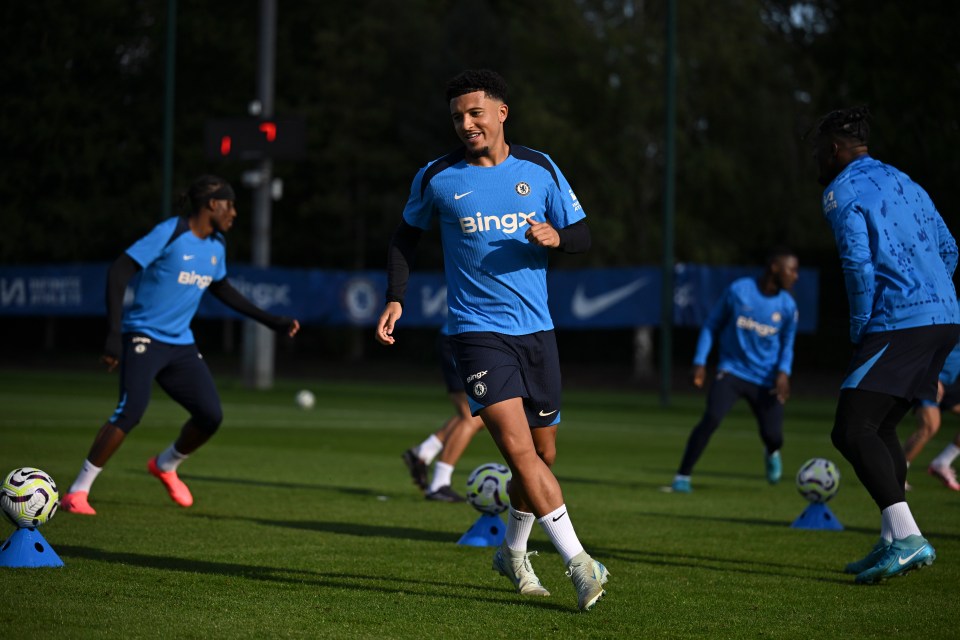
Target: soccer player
[
  {"x": 177, "y": 261},
  {"x": 451, "y": 440},
  {"x": 501, "y": 208},
  {"x": 754, "y": 323},
  {"x": 928, "y": 424},
  {"x": 898, "y": 260}
]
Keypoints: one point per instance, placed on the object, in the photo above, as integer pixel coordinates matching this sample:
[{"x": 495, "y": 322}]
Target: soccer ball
[
  {"x": 818, "y": 480},
  {"x": 305, "y": 399},
  {"x": 29, "y": 497},
  {"x": 487, "y": 488}
]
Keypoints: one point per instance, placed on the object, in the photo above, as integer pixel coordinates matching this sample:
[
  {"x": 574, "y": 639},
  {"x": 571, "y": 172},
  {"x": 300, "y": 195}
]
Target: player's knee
[
  {"x": 208, "y": 420},
  {"x": 841, "y": 438},
  {"x": 547, "y": 453}
]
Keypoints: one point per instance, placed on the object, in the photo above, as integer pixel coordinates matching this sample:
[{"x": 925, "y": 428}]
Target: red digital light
[
  {"x": 225, "y": 144},
  {"x": 269, "y": 129}
]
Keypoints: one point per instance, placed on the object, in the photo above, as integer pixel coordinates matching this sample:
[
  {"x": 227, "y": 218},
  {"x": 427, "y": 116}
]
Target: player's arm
[
  {"x": 400, "y": 256},
  {"x": 947, "y": 246},
  {"x": 575, "y": 238},
  {"x": 788, "y": 334},
  {"x": 119, "y": 274},
  {"x": 225, "y": 292},
  {"x": 711, "y": 327},
  {"x": 853, "y": 244}
]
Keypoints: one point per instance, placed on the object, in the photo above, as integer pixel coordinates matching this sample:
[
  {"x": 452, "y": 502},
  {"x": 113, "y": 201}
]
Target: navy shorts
[
  {"x": 180, "y": 371},
  {"x": 496, "y": 367},
  {"x": 448, "y": 365},
  {"x": 950, "y": 399},
  {"x": 905, "y": 363}
]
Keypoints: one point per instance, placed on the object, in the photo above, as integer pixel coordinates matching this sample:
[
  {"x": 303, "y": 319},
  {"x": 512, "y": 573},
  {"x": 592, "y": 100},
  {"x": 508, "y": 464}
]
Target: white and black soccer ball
[
  {"x": 29, "y": 497},
  {"x": 305, "y": 399},
  {"x": 818, "y": 480},
  {"x": 488, "y": 486}
]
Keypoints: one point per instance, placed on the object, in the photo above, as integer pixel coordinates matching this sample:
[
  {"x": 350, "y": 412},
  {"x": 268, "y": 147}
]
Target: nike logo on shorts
[{"x": 548, "y": 413}]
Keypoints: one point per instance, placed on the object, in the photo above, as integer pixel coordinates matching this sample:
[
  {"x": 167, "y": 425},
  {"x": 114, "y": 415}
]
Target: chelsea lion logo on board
[
  {"x": 523, "y": 188},
  {"x": 479, "y": 390}
]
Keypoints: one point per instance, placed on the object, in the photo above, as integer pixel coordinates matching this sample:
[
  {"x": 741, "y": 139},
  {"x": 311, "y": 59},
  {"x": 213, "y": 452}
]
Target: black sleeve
[
  {"x": 119, "y": 274},
  {"x": 575, "y": 238},
  {"x": 403, "y": 248},
  {"x": 228, "y": 295}
]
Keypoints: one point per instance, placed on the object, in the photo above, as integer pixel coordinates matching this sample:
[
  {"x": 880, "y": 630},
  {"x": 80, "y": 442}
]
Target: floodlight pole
[
  {"x": 666, "y": 304},
  {"x": 166, "y": 204},
  {"x": 258, "y": 341}
]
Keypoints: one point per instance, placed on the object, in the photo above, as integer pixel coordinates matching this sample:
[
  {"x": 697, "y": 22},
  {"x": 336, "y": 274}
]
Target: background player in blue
[
  {"x": 898, "y": 260},
  {"x": 500, "y": 207},
  {"x": 450, "y": 441},
  {"x": 755, "y": 323},
  {"x": 178, "y": 260},
  {"x": 928, "y": 414}
]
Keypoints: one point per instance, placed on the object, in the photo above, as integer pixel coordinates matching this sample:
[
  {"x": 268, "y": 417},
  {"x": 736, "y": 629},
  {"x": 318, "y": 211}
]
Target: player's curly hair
[
  {"x": 192, "y": 200},
  {"x": 846, "y": 123},
  {"x": 490, "y": 82}
]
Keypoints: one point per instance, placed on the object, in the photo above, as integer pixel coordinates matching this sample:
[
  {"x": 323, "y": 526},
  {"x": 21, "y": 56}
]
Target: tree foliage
[{"x": 84, "y": 113}]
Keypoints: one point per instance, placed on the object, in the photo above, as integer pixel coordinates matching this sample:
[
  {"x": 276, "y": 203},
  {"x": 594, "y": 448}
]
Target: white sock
[
  {"x": 442, "y": 473},
  {"x": 170, "y": 459},
  {"x": 519, "y": 526},
  {"x": 900, "y": 521},
  {"x": 429, "y": 448},
  {"x": 885, "y": 531},
  {"x": 88, "y": 473},
  {"x": 559, "y": 529},
  {"x": 947, "y": 456}
]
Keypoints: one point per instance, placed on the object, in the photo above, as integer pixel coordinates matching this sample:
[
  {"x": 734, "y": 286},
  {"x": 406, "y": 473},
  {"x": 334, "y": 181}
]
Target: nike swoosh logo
[
  {"x": 560, "y": 516},
  {"x": 584, "y": 307},
  {"x": 903, "y": 561},
  {"x": 516, "y": 517},
  {"x": 548, "y": 413},
  {"x": 457, "y": 196},
  {"x": 188, "y": 257}
]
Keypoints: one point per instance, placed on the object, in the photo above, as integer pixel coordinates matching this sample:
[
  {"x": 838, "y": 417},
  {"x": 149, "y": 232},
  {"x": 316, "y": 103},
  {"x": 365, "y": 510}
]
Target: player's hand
[
  {"x": 388, "y": 319},
  {"x": 698, "y": 375},
  {"x": 110, "y": 361},
  {"x": 542, "y": 234},
  {"x": 781, "y": 388},
  {"x": 293, "y": 328}
]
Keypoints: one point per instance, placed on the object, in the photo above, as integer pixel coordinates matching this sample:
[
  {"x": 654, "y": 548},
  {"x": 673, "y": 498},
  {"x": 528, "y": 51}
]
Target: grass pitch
[{"x": 306, "y": 525}]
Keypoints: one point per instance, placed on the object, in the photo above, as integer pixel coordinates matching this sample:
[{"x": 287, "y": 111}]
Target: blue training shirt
[
  {"x": 496, "y": 279},
  {"x": 177, "y": 268},
  {"x": 755, "y": 332},
  {"x": 897, "y": 255}
]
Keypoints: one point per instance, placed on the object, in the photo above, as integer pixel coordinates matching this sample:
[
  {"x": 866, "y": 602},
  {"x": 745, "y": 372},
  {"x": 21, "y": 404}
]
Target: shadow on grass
[
  {"x": 370, "y": 583},
  {"x": 933, "y": 535},
  {"x": 351, "y": 491},
  {"x": 345, "y": 528},
  {"x": 729, "y": 564}
]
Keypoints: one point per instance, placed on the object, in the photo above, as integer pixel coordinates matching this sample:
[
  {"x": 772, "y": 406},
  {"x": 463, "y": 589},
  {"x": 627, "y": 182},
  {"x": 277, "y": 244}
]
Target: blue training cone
[
  {"x": 27, "y": 548},
  {"x": 817, "y": 515},
  {"x": 488, "y": 531}
]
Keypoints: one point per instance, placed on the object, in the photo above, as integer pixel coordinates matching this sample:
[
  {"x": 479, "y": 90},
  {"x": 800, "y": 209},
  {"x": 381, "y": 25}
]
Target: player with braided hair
[{"x": 898, "y": 259}]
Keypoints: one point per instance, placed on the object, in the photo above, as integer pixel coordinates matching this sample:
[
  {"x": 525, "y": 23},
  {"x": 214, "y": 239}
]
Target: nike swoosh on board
[
  {"x": 584, "y": 307},
  {"x": 548, "y": 413},
  {"x": 910, "y": 557},
  {"x": 457, "y": 196}
]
